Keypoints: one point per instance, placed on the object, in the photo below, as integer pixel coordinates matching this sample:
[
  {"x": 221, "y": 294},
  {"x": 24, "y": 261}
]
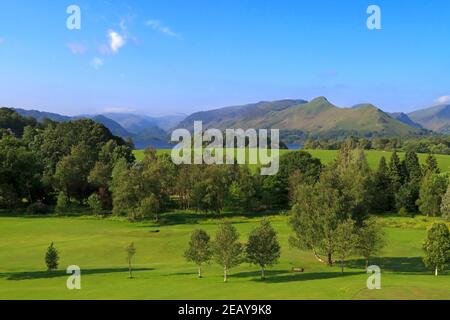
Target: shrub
[
  {"x": 95, "y": 203},
  {"x": 404, "y": 213},
  {"x": 37, "y": 208},
  {"x": 149, "y": 207},
  {"x": 8, "y": 197},
  {"x": 62, "y": 203}
]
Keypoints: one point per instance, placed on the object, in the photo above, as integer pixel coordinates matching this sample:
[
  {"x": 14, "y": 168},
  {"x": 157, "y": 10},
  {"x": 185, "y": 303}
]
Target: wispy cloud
[
  {"x": 116, "y": 41},
  {"x": 160, "y": 27},
  {"x": 77, "y": 48},
  {"x": 96, "y": 63},
  {"x": 443, "y": 100}
]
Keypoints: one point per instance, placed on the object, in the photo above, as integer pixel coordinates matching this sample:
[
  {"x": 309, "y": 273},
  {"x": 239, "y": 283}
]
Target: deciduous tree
[
  {"x": 345, "y": 240},
  {"x": 314, "y": 218},
  {"x": 226, "y": 248},
  {"x": 199, "y": 250},
  {"x": 432, "y": 190},
  {"x": 263, "y": 248},
  {"x": 131, "y": 252},
  {"x": 445, "y": 205},
  {"x": 371, "y": 239},
  {"x": 437, "y": 248}
]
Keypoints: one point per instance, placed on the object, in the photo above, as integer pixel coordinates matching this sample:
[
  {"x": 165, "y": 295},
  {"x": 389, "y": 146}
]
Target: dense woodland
[{"x": 53, "y": 166}]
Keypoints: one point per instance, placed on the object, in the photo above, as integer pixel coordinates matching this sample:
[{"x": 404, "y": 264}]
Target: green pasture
[
  {"x": 327, "y": 156},
  {"x": 97, "y": 246}
]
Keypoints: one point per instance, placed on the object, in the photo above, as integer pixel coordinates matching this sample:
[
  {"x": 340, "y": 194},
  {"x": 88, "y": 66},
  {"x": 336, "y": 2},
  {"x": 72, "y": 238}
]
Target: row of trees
[
  {"x": 407, "y": 187},
  {"x": 155, "y": 184},
  {"x": 262, "y": 248},
  {"x": 81, "y": 163},
  {"x": 344, "y": 240},
  {"x": 403, "y": 186},
  {"x": 435, "y": 144},
  {"x": 59, "y": 164}
]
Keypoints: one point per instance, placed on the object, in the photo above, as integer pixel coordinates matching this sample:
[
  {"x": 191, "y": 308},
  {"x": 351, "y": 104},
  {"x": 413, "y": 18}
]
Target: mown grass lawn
[
  {"x": 97, "y": 246},
  {"x": 327, "y": 156}
]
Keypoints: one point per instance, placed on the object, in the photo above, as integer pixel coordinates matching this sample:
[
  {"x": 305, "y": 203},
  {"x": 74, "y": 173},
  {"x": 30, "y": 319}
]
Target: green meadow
[
  {"x": 327, "y": 156},
  {"x": 98, "y": 247}
]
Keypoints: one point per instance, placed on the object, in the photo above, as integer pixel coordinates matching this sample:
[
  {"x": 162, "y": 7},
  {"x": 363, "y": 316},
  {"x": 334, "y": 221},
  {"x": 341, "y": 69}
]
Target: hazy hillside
[
  {"x": 136, "y": 123},
  {"x": 132, "y": 122},
  {"x": 239, "y": 116},
  {"x": 299, "y": 119},
  {"x": 436, "y": 118},
  {"x": 40, "y": 115},
  {"x": 143, "y": 136},
  {"x": 168, "y": 122},
  {"x": 403, "y": 117},
  {"x": 115, "y": 128}
]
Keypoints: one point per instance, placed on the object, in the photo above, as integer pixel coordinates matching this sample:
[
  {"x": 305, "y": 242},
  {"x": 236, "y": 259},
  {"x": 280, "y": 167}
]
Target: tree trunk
[
  {"x": 30, "y": 198},
  {"x": 330, "y": 260},
  {"x": 367, "y": 264},
  {"x": 436, "y": 272},
  {"x": 342, "y": 266},
  {"x": 130, "y": 270},
  {"x": 263, "y": 276},
  {"x": 225, "y": 270},
  {"x": 200, "y": 272},
  {"x": 318, "y": 257}
]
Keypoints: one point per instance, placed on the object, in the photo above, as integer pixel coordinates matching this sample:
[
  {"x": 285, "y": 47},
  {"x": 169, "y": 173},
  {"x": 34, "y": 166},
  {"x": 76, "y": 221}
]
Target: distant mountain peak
[
  {"x": 317, "y": 118},
  {"x": 436, "y": 118},
  {"x": 320, "y": 99}
]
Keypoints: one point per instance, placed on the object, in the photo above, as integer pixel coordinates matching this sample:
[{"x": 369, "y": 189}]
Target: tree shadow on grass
[
  {"x": 182, "y": 218},
  {"x": 281, "y": 276},
  {"x": 19, "y": 276},
  {"x": 393, "y": 264}
]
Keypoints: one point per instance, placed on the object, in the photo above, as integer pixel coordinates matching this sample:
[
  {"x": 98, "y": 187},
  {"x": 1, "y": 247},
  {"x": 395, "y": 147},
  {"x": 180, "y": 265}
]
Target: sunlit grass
[
  {"x": 327, "y": 156},
  {"x": 98, "y": 247}
]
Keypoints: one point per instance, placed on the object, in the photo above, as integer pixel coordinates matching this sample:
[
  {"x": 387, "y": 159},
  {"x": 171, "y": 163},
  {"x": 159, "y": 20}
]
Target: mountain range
[
  {"x": 144, "y": 131},
  {"x": 297, "y": 120},
  {"x": 436, "y": 118}
]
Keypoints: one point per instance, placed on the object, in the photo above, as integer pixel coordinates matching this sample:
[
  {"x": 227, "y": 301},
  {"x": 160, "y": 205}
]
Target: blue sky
[{"x": 163, "y": 57}]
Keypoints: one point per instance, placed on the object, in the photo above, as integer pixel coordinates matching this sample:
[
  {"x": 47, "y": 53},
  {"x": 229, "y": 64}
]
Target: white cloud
[
  {"x": 116, "y": 41},
  {"x": 96, "y": 63},
  {"x": 160, "y": 27},
  {"x": 443, "y": 100},
  {"x": 76, "y": 48},
  {"x": 118, "y": 110}
]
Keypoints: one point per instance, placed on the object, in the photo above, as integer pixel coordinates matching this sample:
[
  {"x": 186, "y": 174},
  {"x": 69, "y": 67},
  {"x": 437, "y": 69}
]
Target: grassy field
[
  {"x": 97, "y": 246},
  {"x": 327, "y": 156}
]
